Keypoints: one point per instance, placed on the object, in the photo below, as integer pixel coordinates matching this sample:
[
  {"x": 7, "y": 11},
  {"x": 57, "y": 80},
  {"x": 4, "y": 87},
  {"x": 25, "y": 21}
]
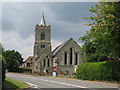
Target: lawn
[{"x": 16, "y": 84}]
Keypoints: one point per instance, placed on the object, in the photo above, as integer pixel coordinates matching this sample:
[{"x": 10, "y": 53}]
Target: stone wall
[
  {"x": 61, "y": 59},
  {"x": 66, "y": 48},
  {"x": 42, "y": 49},
  {"x": 65, "y": 69}
]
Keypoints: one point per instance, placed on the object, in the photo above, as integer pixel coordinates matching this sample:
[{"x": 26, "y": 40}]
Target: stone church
[{"x": 65, "y": 57}]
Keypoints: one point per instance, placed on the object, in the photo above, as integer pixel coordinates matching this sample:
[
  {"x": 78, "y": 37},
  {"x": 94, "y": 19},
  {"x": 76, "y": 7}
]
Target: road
[{"x": 55, "y": 82}]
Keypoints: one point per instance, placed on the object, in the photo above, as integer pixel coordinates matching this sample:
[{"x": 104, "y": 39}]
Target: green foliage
[
  {"x": 108, "y": 71},
  {"x": 102, "y": 42},
  {"x": 15, "y": 84},
  {"x": 1, "y": 49},
  {"x": 13, "y": 59},
  {"x": 3, "y": 70},
  {"x": 24, "y": 70},
  {"x": 2, "y": 61}
]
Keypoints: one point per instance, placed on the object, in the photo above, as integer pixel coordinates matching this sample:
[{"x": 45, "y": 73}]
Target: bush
[
  {"x": 22, "y": 70},
  {"x": 108, "y": 71},
  {"x": 3, "y": 71}
]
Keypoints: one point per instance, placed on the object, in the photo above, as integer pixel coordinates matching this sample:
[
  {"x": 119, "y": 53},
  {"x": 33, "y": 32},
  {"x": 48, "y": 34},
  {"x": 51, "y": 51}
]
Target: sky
[{"x": 20, "y": 18}]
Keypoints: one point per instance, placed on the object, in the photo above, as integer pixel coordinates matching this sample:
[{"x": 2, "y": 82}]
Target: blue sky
[{"x": 19, "y": 20}]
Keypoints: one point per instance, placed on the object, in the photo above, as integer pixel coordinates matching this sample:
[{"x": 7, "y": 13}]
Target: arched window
[
  {"x": 65, "y": 58},
  {"x": 71, "y": 56},
  {"x": 36, "y": 67},
  {"x": 42, "y": 36},
  {"x": 76, "y": 58},
  {"x": 42, "y": 46},
  {"x": 48, "y": 63},
  {"x": 44, "y": 63}
]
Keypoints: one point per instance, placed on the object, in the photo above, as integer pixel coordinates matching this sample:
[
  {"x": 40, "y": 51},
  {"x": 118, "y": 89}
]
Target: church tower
[{"x": 42, "y": 61}]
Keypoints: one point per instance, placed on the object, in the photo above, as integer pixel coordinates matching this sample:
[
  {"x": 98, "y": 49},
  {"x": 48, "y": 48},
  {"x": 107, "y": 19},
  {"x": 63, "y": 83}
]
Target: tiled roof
[
  {"x": 60, "y": 46},
  {"x": 29, "y": 59}
]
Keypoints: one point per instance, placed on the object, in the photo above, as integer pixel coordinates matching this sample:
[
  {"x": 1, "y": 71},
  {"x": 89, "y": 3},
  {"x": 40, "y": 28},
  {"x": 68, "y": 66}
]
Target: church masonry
[
  {"x": 42, "y": 60},
  {"x": 65, "y": 57}
]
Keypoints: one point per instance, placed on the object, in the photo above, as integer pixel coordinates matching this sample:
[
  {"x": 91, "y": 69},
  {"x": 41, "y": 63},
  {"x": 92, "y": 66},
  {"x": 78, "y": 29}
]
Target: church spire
[{"x": 42, "y": 21}]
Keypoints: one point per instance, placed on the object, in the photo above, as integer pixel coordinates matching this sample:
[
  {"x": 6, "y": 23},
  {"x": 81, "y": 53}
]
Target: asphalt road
[{"x": 55, "y": 82}]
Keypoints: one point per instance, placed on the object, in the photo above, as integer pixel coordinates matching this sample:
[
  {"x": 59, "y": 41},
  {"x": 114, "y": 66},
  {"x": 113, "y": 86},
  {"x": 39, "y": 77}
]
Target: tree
[
  {"x": 102, "y": 41},
  {"x": 1, "y": 49},
  {"x": 2, "y": 63},
  {"x": 13, "y": 59}
]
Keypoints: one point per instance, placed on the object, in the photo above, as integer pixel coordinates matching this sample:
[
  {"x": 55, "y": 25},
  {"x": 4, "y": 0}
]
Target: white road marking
[
  {"x": 40, "y": 78},
  {"x": 31, "y": 85},
  {"x": 61, "y": 83}
]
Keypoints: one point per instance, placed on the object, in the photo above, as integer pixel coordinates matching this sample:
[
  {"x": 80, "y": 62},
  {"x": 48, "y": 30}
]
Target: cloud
[
  {"x": 23, "y": 17},
  {"x": 12, "y": 40},
  {"x": 71, "y": 12},
  {"x": 55, "y": 43},
  {"x": 65, "y": 30},
  {"x": 0, "y": 22},
  {"x": 0, "y": 36},
  {"x": 53, "y": 0},
  {"x": 19, "y": 20}
]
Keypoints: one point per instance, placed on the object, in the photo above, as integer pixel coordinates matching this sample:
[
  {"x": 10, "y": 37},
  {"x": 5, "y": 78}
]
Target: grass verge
[{"x": 16, "y": 84}]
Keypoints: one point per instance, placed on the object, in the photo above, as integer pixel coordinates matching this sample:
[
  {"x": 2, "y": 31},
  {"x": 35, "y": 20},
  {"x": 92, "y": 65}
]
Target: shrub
[
  {"x": 3, "y": 71},
  {"x": 23, "y": 70},
  {"x": 107, "y": 70}
]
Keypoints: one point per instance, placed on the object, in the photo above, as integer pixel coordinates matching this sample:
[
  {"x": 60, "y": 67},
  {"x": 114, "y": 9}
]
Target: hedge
[
  {"x": 107, "y": 71},
  {"x": 3, "y": 71},
  {"x": 22, "y": 70}
]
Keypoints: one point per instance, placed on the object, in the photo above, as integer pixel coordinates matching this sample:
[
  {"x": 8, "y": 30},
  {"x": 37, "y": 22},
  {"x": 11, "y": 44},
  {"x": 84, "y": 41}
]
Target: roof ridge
[{"x": 60, "y": 46}]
